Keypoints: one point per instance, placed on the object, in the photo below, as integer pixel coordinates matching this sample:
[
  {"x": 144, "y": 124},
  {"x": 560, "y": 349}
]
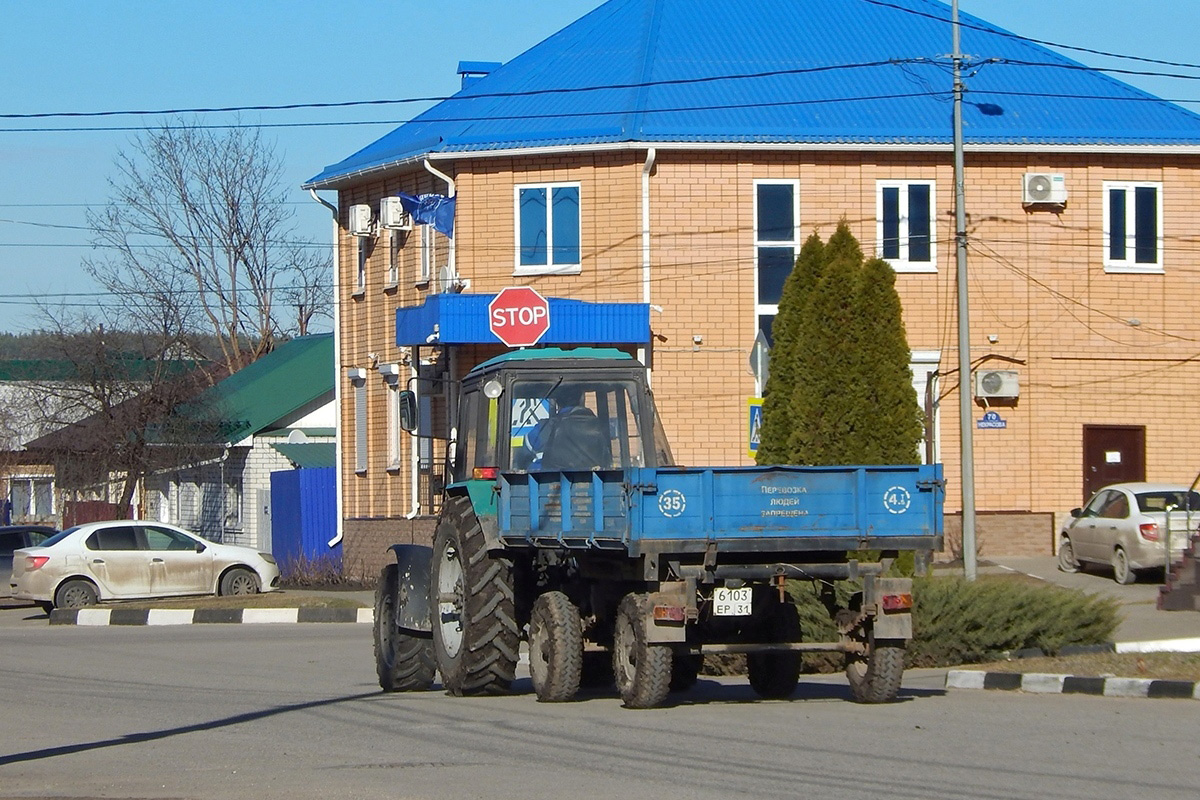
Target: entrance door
[{"x": 1112, "y": 454}]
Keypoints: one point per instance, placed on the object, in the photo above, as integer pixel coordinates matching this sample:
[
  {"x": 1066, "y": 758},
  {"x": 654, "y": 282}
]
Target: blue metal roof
[
  {"x": 463, "y": 319},
  {"x": 822, "y": 72}
]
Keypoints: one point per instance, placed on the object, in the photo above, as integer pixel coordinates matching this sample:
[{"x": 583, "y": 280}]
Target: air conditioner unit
[
  {"x": 360, "y": 220},
  {"x": 392, "y": 215},
  {"x": 997, "y": 383},
  {"x": 1044, "y": 187}
]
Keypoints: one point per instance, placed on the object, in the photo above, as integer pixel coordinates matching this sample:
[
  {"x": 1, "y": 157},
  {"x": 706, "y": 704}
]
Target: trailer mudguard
[{"x": 414, "y": 562}]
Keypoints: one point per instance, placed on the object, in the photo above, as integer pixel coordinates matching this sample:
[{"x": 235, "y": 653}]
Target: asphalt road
[{"x": 293, "y": 711}]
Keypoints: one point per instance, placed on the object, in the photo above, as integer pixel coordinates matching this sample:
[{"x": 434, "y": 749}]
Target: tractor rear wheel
[
  {"x": 403, "y": 660},
  {"x": 475, "y": 633}
]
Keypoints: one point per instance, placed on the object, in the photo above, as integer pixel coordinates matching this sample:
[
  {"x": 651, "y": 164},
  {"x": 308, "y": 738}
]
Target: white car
[
  {"x": 128, "y": 559},
  {"x": 1127, "y": 526}
]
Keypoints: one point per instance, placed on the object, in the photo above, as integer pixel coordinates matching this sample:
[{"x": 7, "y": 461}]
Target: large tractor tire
[
  {"x": 774, "y": 675},
  {"x": 875, "y": 678},
  {"x": 642, "y": 670},
  {"x": 555, "y": 648},
  {"x": 404, "y": 661},
  {"x": 475, "y": 633}
]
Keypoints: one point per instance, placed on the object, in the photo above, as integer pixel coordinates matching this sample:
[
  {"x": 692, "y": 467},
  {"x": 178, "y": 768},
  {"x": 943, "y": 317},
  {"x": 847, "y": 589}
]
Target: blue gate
[{"x": 304, "y": 520}]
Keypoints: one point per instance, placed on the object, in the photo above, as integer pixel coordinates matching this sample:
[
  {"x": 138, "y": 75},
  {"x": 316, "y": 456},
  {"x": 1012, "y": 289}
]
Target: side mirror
[
  {"x": 200, "y": 548},
  {"x": 1075, "y": 512},
  {"x": 408, "y": 410}
]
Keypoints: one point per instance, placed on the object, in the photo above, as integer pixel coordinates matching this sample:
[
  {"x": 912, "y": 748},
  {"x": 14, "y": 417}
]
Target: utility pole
[{"x": 967, "y": 450}]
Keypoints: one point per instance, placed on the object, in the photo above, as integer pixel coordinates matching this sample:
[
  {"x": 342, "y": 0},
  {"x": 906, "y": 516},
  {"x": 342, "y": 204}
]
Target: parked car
[
  {"x": 1125, "y": 526},
  {"x": 126, "y": 559},
  {"x": 14, "y": 537}
]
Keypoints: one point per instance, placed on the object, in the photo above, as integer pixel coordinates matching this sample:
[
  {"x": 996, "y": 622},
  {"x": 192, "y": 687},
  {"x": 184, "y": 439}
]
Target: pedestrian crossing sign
[{"x": 754, "y": 407}]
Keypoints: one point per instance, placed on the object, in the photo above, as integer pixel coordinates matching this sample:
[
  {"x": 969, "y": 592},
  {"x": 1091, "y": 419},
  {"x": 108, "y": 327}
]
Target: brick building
[{"x": 675, "y": 154}]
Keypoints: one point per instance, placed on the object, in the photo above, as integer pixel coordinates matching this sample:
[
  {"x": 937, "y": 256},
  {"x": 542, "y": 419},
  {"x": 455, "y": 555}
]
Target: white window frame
[
  {"x": 428, "y": 255},
  {"x": 921, "y": 363},
  {"x": 1128, "y": 264},
  {"x": 772, "y": 309},
  {"x": 358, "y": 385},
  {"x": 395, "y": 238},
  {"x": 903, "y": 264},
  {"x": 234, "y": 495},
  {"x": 394, "y": 463},
  {"x": 549, "y": 268},
  {"x": 360, "y": 280},
  {"x": 32, "y": 511}
]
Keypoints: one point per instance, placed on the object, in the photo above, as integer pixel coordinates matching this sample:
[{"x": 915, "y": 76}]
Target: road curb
[
  {"x": 1047, "y": 683},
  {"x": 207, "y": 616}
]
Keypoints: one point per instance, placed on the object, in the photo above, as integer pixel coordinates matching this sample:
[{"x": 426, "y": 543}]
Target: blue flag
[{"x": 431, "y": 209}]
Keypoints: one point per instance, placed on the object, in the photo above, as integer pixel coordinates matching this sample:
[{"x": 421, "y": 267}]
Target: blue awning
[{"x": 463, "y": 319}]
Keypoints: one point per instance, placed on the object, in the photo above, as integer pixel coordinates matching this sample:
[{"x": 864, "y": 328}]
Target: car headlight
[{"x": 267, "y": 557}]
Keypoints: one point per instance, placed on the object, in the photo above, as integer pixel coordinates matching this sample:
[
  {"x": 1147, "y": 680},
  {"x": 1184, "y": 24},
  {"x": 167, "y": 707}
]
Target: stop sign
[{"x": 519, "y": 316}]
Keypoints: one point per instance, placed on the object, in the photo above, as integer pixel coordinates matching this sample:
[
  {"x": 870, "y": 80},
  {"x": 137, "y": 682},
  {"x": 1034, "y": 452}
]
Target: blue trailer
[{"x": 569, "y": 525}]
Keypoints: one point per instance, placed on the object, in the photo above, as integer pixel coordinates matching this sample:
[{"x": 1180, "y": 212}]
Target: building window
[
  {"x": 904, "y": 225},
  {"x": 395, "y": 240},
  {"x": 923, "y": 364},
  {"x": 428, "y": 253},
  {"x": 233, "y": 504},
  {"x": 547, "y": 229},
  {"x": 358, "y": 380},
  {"x": 1132, "y": 227},
  {"x": 31, "y": 498},
  {"x": 776, "y": 222},
  {"x": 360, "y": 281},
  {"x": 393, "y": 420}
]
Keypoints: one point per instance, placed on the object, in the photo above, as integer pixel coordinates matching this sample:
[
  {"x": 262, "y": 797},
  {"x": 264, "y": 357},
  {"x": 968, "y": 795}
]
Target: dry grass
[
  {"x": 1161, "y": 666},
  {"x": 281, "y": 599}
]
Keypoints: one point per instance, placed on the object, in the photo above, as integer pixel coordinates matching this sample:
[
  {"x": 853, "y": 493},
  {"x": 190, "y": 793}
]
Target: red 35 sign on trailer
[{"x": 519, "y": 316}]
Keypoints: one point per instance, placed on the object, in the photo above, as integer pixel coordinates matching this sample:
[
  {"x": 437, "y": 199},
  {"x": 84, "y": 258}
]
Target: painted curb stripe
[
  {"x": 92, "y": 616},
  {"x": 269, "y": 615},
  {"x": 1046, "y": 683},
  {"x": 1160, "y": 646},
  {"x": 366, "y": 615},
  {"x": 202, "y": 616},
  {"x": 129, "y": 616},
  {"x": 169, "y": 616},
  {"x": 327, "y": 615}
]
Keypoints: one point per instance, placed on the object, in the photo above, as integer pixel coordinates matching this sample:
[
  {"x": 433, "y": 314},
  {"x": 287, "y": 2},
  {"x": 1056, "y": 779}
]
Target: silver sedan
[
  {"x": 128, "y": 559},
  {"x": 1127, "y": 526}
]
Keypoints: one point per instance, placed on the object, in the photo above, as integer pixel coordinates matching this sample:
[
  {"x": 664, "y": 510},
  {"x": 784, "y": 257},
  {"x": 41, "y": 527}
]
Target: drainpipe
[
  {"x": 432, "y": 170},
  {"x": 647, "y": 168},
  {"x": 337, "y": 370}
]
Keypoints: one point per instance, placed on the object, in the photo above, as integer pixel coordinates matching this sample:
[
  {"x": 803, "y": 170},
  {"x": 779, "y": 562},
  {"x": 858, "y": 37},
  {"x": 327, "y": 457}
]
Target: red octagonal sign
[{"x": 519, "y": 316}]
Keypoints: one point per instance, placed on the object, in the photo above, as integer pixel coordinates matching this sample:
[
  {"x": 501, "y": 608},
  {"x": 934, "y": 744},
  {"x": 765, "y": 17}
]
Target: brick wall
[
  {"x": 1038, "y": 286},
  {"x": 366, "y": 542}
]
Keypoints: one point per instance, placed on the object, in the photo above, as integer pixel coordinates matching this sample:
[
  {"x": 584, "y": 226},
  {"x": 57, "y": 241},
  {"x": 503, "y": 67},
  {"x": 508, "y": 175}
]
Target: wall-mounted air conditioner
[
  {"x": 998, "y": 383},
  {"x": 1043, "y": 187},
  {"x": 360, "y": 220},
  {"x": 392, "y": 215}
]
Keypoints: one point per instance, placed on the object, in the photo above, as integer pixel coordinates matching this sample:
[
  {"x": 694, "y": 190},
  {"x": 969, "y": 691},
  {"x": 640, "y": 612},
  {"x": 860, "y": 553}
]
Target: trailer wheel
[
  {"x": 642, "y": 670},
  {"x": 876, "y": 678},
  {"x": 475, "y": 633},
  {"x": 774, "y": 675},
  {"x": 403, "y": 661},
  {"x": 555, "y": 648}
]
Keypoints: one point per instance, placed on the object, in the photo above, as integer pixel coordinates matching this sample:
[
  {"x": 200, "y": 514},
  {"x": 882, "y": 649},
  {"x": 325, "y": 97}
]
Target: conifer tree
[
  {"x": 788, "y": 361},
  {"x": 840, "y": 391}
]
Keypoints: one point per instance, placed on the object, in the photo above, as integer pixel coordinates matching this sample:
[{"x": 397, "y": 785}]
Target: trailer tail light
[
  {"x": 35, "y": 562},
  {"x": 485, "y": 473},
  {"x": 897, "y": 602},
  {"x": 669, "y": 614},
  {"x": 1149, "y": 531}
]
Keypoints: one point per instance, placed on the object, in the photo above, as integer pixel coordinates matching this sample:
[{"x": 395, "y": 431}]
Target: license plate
[{"x": 731, "y": 602}]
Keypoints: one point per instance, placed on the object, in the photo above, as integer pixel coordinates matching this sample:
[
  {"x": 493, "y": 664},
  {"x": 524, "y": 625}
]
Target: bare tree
[
  {"x": 119, "y": 410},
  {"x": 198, "y": 231}
]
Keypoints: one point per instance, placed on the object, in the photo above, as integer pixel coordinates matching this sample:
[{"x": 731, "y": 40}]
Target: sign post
[{"x": 519, "y": 316}]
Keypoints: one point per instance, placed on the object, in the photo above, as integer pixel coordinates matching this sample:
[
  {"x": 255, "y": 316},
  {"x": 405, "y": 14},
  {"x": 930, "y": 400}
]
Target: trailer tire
[
  {"x": 403, "y": 661},
  {"x": 642, "y": 670},
  {"x": 774, "y": 676},
  {"x": 471, "y": 597},
  {"x": 555, "y": 648},
  {"x": 876, "y": 678}
]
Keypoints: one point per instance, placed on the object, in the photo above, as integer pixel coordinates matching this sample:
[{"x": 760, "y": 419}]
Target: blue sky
[{"x": 154, "y": 55}]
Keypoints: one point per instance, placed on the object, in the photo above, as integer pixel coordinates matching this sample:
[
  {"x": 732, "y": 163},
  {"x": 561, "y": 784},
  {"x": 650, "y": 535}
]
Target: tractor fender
[{"x": 414, "y": 562}]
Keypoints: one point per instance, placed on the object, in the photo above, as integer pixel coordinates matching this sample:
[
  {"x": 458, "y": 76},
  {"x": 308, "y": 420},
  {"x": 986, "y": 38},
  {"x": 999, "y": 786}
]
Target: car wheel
[
  {"x": 1066, "y": 556},
  {"x": 239, "y": 581},
  {"x": 75, "y": 594},
  {"x": 1122, "y": 572}
]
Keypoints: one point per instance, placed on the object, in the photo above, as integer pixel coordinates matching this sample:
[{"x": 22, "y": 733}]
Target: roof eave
[{"x": 355, "y": 176}]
